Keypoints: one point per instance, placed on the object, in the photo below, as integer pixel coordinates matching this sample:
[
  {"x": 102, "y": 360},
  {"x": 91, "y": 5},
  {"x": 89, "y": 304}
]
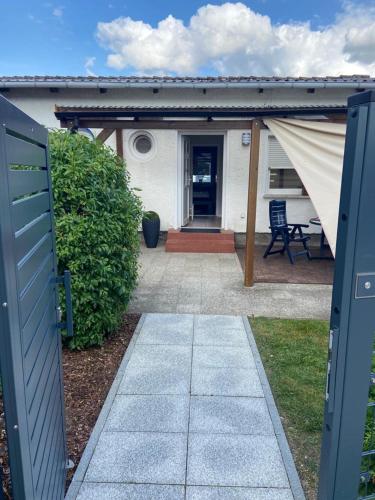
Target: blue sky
[{"x": 62, "y": 37}]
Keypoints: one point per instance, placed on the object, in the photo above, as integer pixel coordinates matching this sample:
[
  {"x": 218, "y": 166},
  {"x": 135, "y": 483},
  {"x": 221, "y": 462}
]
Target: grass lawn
[{"x": 294, "y": 354}]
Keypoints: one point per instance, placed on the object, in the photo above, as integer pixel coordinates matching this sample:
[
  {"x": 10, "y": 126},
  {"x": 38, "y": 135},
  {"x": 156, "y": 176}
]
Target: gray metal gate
[
  {"x": 30, "y": 353},
  {"x": 347, "y": 462}
]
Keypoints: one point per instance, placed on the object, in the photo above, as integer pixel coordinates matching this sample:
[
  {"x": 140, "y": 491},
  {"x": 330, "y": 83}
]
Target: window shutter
[{"x": 277, "y": 158}]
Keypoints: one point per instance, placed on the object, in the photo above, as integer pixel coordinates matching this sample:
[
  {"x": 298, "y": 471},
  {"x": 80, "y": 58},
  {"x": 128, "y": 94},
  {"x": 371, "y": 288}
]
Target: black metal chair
[{"x": 285, "y": 233}]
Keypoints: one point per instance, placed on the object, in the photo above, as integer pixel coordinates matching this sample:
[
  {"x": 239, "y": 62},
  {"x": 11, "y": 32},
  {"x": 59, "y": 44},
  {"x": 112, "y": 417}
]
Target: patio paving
[
  {"x": 213, "y": 284},
  {"x": 277, "y": 269},
  {"x": 190, "y": 416}
]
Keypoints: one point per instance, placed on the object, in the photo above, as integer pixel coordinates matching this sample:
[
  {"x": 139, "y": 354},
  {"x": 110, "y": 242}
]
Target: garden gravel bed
[
  {"x": 88, "y": 376},
  {"x": 4, "y": 465}
]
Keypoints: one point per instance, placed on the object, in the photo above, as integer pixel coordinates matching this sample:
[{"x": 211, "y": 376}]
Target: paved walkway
[
  {"x": 190, "y": 416},
  {"x": 213, "y": 284}
]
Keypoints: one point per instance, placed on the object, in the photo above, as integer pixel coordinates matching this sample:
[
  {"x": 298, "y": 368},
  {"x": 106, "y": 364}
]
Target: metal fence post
[{"x": 352, "y": 327}]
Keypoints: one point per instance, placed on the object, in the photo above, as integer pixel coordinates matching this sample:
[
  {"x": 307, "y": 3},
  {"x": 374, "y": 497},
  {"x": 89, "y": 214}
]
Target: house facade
[{"x": 186, "y": 141}]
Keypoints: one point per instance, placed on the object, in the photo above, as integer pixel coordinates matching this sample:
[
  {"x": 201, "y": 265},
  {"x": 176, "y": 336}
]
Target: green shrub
[
  {"x": 150, "y": 215},
  {"x": 97, "y": 219}
]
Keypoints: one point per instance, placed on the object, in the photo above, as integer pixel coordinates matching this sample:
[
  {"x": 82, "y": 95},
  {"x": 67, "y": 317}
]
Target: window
[
  {"x": 283, "y": 178},
  {"x": 143, "y": 144},
  {"x": 202, "y": 167}
]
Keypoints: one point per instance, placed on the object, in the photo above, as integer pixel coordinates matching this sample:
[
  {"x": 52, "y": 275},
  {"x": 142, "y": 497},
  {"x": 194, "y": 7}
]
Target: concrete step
[{"x": 200, "y": 242}]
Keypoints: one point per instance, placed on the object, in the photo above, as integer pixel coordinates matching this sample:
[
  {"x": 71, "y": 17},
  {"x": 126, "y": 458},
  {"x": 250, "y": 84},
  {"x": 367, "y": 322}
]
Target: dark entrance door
[
  {"x": 30, "y": 352},
  {"x": 204, "y": 180}
]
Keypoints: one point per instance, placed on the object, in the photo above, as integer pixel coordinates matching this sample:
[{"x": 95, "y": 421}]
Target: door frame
[{"x": 180, "y": 174}]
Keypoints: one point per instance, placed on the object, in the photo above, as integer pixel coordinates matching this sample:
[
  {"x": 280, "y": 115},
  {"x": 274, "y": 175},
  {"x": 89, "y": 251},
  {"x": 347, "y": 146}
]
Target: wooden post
[
  {"x": 252, "y": 203},
  {"x": 104, "y": 134},
  {"x": 119, "y": 143}
]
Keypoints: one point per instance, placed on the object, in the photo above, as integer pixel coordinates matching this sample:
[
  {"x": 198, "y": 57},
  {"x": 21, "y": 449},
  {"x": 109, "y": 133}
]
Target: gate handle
[{"x": 68, "y": 324}]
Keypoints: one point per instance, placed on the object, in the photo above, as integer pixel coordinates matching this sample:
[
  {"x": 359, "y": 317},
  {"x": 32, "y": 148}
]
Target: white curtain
[{"x": 316, "y": 150}]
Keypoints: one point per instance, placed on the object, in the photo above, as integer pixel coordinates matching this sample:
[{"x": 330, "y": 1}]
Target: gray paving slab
[
  {"x": 218, "y": 322},
  {"x": 167, "y": 329},
  {"x": 222, "y": 337},
  {"x": 155, "y": 379},
  {"x": 108, "y": 491},
  {"x": 226, "y": 460},
  {"x": 212, "y": 307},
  {"x": 231, "y": 493},
  {"x": 139, "y": 457},
  {"x": 188, "y": 308},
  {"x": 226, "y": 382},
  {"x": 222, "y": 357},
  {"x": 151, "y": 413},
  {"x": 203, "y": 272},
  {"x": 188, "y": 420},
  {"x": 161, "y": 355},
  {"x": 231, "y": 415}
]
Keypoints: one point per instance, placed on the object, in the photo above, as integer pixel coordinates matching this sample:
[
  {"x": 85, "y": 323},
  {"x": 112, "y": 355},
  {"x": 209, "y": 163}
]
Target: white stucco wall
[
  {"x": 158, "y": 177},
  {"x": 236, "y": 172}
]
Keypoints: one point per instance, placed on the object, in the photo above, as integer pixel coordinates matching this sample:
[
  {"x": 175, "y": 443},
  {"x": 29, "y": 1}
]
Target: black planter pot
[{"x": 151, "y": 231}]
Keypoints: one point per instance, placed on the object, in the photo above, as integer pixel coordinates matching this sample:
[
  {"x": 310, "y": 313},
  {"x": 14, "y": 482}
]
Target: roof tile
[{"x": 184, "y": 79}]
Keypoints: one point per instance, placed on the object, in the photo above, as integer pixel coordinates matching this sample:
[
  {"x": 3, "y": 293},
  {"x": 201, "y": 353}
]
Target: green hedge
[{"x": 97, "y": 219}]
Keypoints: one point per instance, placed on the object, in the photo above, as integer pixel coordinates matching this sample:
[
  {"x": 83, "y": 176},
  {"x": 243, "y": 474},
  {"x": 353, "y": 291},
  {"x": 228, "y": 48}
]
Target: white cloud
[
  {"x": 58, "y": 11},
  {"x": 233, "y": 39},
  {"x": 89, "y": 64}
]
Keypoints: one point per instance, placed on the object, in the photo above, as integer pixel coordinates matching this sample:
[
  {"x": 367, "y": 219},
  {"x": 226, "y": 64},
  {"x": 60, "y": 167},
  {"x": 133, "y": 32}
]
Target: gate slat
[
  {"x": 39, "y": 383},
  {"x": 22, "y": 182},
  {"x": 60, "y": 464},
  {"x": 38, "y": 444},
  {"x": 29, "y": 330},
  {"x": 27, "y": 209},
  {"x": 40, "y": 380},
  {"x": 46, "y": 473},
  {"x": 40, "y": 336},
  {"x": 20, "y": 152},
  {"x": 32, "y": 262},
  {"x": 54, "y": 482},
  {"x": 19, "y": 122},
  {"x": 29, "y": 299},
  {"x": 30, "y": 235},
  {"x": 42, "y": 474}
]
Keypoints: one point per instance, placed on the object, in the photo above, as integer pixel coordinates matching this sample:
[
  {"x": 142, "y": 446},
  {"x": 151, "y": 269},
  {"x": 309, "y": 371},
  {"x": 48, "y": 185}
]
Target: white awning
[{"x": 316, "y": 150}]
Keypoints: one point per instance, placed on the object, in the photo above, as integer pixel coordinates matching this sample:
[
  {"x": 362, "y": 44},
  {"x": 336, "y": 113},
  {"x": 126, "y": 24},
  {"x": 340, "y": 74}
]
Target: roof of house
[
  {"x": 352, "y": 81},
  {"x": 69, "y": 112}
]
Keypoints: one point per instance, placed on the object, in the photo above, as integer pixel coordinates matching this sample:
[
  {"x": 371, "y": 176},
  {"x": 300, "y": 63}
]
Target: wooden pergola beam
[
  {"x": 104, "y": 134},
  {"x": 119, "y": 143},
  {"x": 160, "y": 124},
  {"x": 252, "y": 202}
]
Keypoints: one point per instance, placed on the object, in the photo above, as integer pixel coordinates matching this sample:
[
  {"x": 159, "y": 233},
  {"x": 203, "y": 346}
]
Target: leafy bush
[
  {"x": 150, "y": 215},
  {"x": 97, "y": 219}
]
